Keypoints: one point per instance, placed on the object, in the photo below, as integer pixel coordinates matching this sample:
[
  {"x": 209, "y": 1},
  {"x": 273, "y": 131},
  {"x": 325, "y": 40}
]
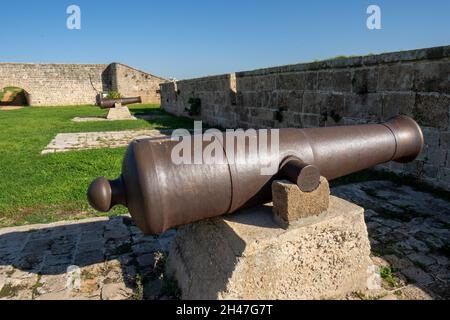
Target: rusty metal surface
[
  {"x": 160, "y": 194},
  {"x": 109, "y": 103}
]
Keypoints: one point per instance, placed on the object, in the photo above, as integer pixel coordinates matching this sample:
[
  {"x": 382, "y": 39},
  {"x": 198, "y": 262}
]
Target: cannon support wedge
[{"x": 161, "y": 194}]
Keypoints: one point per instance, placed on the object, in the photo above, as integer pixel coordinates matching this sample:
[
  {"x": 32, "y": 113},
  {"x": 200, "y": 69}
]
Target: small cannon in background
[
  {"x": 160, "y": 194},
  {"x": 117, "y": 107},
  {"x": 111, "y": 103}
]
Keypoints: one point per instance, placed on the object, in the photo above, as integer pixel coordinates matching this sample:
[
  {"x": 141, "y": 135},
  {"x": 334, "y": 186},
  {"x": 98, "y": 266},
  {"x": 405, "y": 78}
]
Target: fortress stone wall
[
  {"x": 74, "y": 84},
  {"x": 345, "y": 91}
]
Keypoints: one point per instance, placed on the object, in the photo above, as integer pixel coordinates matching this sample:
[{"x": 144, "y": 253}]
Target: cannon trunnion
[{"x": 161, "y": 194}]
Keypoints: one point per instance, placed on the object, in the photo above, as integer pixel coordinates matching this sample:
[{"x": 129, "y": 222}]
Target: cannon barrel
[
  {"x": 110, "y": 103},
  {"x": 161, "y": 194}
]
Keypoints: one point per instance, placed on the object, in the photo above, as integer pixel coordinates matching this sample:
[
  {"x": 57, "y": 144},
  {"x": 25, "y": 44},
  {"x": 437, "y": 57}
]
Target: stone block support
[{"x": 248, "y": 256}]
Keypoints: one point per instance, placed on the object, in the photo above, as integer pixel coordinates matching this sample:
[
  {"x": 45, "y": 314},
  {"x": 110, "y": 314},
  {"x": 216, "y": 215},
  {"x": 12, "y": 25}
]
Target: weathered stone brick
[
  {"x": 364, "y": 106},
  {"x": 432, "y": 77},
  {"x": 444, "y": 141},
  {"x": 311, "y": 102},
  {"x": 395, "y": 78},
  {"x": 297, "y": 81},
  {"x": 431, "y": 136},
  {"x": 340, "y": 81},
  {"x": 352, "y": 121},
  {"x": 432, "y": 110},
  {"x": 415, "y": 167},
  {"x": 268, "y": 99},
  {"x": 436, "y": 156},
  {"x": 444, "y": 175},
  {"x": 249, "y": 99},
  {"x": 447, "y": 165},
  {"x": 293, "y": 119},
  {"x": 266, "y": 123},
  {"x": 290, "y": 100},
  {"x": 430, "y": 171},
  {"x": 310, "y": 121},
  {"x": 245, "y": 84},
  {"x": 265, "y": 83},
  {"x": 332, "y": 108},
  {"x": 365, "y": 80},
  {"x": 253, "y": 112},
  {"x": 395, "y": 104},
  {"x": 266, "y": 114},
  {"x": 401, "y": 167}
]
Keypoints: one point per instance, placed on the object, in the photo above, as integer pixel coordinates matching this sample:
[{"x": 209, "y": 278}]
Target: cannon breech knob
[{"x": 103, "y": 194}]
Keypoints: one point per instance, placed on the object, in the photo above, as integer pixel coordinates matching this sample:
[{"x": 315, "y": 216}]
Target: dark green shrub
[{"x": 114, "y": 95}]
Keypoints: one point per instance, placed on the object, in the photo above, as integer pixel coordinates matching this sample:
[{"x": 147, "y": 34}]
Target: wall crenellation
[{"x": 345, "y": 91}]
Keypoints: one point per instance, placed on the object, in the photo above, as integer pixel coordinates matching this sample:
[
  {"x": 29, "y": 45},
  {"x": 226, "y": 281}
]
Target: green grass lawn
[{"x": 37, "y": 188}]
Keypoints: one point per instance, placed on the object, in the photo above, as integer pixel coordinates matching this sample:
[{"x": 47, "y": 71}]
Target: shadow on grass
[{"x": 160, "y": 119}]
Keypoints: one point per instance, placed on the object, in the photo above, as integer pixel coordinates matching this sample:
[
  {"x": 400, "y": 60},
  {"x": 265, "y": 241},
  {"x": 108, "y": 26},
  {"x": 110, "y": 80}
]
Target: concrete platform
[
  {"x": 120, "y": 113},
  {"x": 64, "y": 142},
  {"x": 248, "y": 256},
  {"x": 147, "y": 117}
]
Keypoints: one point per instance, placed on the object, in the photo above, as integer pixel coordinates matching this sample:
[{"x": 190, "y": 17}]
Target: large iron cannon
[
  {"x": 161, "y": 194},
  {"x": 110, "y": 103}
]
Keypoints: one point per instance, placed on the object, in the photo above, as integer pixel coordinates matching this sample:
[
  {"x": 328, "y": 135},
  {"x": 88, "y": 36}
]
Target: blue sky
[{"x": 191, "y": 38}]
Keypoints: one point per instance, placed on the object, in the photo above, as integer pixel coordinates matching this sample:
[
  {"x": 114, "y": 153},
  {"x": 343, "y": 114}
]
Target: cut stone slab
[
  {"x": 64, "y": 142},
  {"x": 291, "y": 204},
  {"x": 248, "y": 256},
  {"x": 10, "y": 108},
  {"x": 146, "y": 117},
  {"x": 120, "y": 113}
]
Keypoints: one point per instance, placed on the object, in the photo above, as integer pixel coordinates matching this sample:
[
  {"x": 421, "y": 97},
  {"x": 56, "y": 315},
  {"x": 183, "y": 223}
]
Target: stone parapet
[{"x": 341, "y": 91}]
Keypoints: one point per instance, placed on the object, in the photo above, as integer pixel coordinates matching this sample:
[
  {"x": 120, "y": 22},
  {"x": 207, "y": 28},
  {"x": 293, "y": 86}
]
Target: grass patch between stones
[{"x": 387, "y": 274}]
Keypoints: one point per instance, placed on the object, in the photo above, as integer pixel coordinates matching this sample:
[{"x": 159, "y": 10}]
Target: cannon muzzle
[
  {"x": 110, "y": 103},
  {"x": 161, "y": 193}
]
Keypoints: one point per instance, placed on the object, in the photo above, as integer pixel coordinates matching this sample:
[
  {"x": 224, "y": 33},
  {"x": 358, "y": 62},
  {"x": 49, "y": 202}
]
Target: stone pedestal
[
  {"x": 291, "y": 204},
  {"x": 119, "y": 112},
  {"x": 248, "y": 256}
]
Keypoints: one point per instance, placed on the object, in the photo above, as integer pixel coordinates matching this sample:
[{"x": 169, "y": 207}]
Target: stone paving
[
  {"x": 409, "y": 232},
  {"x": 109, "y": 258},
  {"x": 64, "y": 142},
  {"x": 100, "y": 258}
]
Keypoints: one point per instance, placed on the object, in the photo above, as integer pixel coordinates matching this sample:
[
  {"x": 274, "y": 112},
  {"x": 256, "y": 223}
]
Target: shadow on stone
[
  {"x": 103, "y": 248},
  {"x": 408, "y": 230}
]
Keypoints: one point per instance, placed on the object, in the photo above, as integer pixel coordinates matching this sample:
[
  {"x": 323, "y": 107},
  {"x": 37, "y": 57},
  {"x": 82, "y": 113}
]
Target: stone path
[
  {"x": 109, "y": 258},
  {"x": 64, "y": 142},
  {"x": 101, "y": 258},
  {"x": 409, "y": 232}
]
